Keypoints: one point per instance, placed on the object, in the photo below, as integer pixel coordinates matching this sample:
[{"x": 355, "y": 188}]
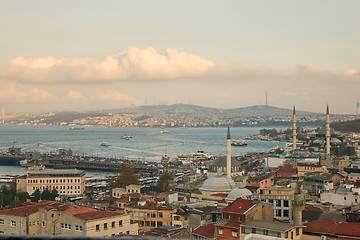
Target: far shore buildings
[{"x": 67, "y": 182}]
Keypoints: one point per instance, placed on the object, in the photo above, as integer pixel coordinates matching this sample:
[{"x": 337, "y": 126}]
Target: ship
[
  {"x": 164, "y": 131},
  {"x": 105, "y": 144},
  {"x": 196, "y": 157},
  {"x": 126, "y": 136},
  {"x": 77, "y": 128},
  {"x": 238, "y": 142}
]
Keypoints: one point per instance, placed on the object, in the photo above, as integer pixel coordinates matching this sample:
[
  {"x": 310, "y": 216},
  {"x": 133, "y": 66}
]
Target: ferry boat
[
  {"x": 238, "y": 142},
  {"x": 105, "y": 144},
  {"x": 126, "y": 136},
  {"x": 77, "y": 128},
  {"x": 198, "y": 156}
]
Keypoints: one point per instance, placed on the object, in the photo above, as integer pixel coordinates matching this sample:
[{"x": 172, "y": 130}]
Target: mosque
[{"x": 220, "y": 189}]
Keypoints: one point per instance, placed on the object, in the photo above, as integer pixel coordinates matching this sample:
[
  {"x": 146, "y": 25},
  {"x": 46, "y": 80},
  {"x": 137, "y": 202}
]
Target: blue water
[{"x": 148, "y": 144}]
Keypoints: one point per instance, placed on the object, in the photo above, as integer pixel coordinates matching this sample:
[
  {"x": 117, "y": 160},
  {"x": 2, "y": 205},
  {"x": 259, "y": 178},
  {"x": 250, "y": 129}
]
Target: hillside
[{"x": 348, "y": 126}]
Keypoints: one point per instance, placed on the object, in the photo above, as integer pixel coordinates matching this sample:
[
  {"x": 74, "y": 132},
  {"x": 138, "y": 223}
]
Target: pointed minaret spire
[
  {"x": 294, "y": 129},
  {"x": 228, "y": 154},
  {"x": 327, "y": 135}
]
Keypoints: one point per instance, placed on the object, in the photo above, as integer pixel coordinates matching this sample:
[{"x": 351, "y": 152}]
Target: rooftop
[{"x": 277, "y": 226}]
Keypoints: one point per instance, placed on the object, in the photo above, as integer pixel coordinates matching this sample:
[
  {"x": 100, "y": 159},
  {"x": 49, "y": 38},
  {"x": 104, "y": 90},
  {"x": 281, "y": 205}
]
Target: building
[
  {"x": 118, "y": 192},
  {"x": 303, "y": 169},
  {"x": 316, "y": 184},
  {"x": 150, "y": 215},
  {"x": 67, "y": 182},
  {"x": 281, "y": 198},
  {"x": 49, "y": 218},
  {"x": 261, "y": 182},
  {"x": 274, "y": 229}
]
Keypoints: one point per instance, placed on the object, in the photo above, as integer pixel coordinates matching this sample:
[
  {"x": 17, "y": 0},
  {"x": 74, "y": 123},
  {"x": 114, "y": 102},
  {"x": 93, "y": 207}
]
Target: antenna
[
  {"x": 266, "y": 103},
  {"x": 3, "y": 116}
]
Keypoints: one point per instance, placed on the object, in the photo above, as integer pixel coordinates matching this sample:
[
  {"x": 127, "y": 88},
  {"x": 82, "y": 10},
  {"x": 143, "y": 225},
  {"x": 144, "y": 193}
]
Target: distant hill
[
  {"x": 59, "y": 117},
  {"x": 348, "y": 126},
  {"x": 258, "y": 110}
]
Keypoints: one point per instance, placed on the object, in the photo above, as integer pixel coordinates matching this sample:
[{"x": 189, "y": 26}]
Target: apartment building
[
  {"x": 150, "y": 215},
  {"x": 51, "y": 218},
  {"x": 67, "y": 182}
]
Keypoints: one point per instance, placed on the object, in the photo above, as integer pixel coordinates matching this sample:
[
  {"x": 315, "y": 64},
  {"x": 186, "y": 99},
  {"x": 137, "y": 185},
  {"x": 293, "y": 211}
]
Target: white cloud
[
  {"x": 33, "y": 95},
  {"x": 132, "y": 64},
  {"x": 75, "y": 95},
  {"x": 352, "y": 74},
  {"x": 114, "y": 96}
]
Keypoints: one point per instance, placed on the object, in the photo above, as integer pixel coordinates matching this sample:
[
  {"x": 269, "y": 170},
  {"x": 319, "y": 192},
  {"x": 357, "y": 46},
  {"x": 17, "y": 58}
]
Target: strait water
[{"x": 148, "y": 144}]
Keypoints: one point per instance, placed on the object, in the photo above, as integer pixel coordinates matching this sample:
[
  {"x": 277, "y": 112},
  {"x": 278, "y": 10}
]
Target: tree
[
  {"x": 126, "y": 177},
  {"x": 35, "y": 196},
  {"x": 53, "y": 194},
  {"x": 165, "y": 182}
]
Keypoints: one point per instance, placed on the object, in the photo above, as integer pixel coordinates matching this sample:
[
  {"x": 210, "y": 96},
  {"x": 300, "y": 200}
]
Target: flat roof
[{"x": 274, "y": 226}]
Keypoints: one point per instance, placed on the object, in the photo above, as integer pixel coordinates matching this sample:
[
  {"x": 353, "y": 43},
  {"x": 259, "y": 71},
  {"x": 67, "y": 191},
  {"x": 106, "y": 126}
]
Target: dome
[
  {"x": 218, "y": 184},
  {"x": 238, "y": 193}
]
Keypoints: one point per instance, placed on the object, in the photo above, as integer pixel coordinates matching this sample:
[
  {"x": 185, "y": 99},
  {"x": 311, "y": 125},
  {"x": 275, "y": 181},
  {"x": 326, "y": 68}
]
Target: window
[
  {"x": 220, "y": 231},
  {"x": 242, "y": 229},
  {"x": 112, "y": 224},
  {"x": 120, "y": 223},
  {"x": 286, "y": 234},
  {"x": 278, "y": 203},
  {"x": 159, "y": 224},
  {"x": 239, "y": 219},
  {"x": 78, "y": 228},
  {"x": 13, "y": 223},
  {"x": 286, "y": 213},
  {"x": 160, "y": 214},
  {"x": 297, "y": 231},
  {"x": 234, "y": 233},
  {"x": 286, "y": 203},
  {"x": 253, "y": 230},
  {"x": 105, "y": 225},
  {"x": 127, "y": 232},
  {"x": 2, "y": 221},
  {"x": 43, "y": 224},
  {"x": 153, "y": 215},
  {"x": 98, "y": 227},
  {"x": 278, "y": 213},
  {"x": 176, "y": 218}
]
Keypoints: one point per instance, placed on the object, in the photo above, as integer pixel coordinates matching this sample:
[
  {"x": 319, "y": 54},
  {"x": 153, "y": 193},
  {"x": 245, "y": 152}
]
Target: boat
[
  {"x": 105, "y": 144},
  {"x": 198, "y": 156},
  {"x": 164, "y": 131},
  {"x": 77, "y": 128},
  {"x": 126, "y": 136},
  {"x": 7, "y": 178},
  {"x": 39, "y": 144},
  {"x": 238, "y": 142}
]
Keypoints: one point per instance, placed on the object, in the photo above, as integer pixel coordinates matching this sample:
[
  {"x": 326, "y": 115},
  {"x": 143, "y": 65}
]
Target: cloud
[
  {"x": 33, "y": 95},
  {"x": 132, "y": 64},
  {"x": 75, "y": 95},
  {"x": 352, "y": 74},
  {"x": 114, "y": 96},
  {"x": 146, "y": 64}
]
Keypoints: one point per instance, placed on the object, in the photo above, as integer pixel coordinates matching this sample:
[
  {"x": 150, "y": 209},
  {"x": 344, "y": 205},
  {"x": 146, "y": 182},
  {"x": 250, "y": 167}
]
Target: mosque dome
[
  {"x": 238, "y": 193},
  {"x": 218, "y": 184}
]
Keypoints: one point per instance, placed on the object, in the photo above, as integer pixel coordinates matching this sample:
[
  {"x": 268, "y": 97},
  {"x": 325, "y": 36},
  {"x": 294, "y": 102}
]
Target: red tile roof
[
  {"x": 87, "y": 216},
  {"x": 332, "y": 226},
  {"x": 239, "y": 206},
  {"x": 20, "y": 211},
  {"x": 207, "y": 230}
]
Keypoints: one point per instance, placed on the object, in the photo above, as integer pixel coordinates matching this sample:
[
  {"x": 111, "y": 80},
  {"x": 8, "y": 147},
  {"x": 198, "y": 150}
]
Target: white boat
[
  {"x": 198, "y": 156},
  {"x": 164, "y": 131},
  {"x": 39, "y": 144},
  {"x": 105, "y": 144},
  {"x": 238, "y": 142},
  {"x": 77, "y": 128},
  {"x": 126, "y": 136}
]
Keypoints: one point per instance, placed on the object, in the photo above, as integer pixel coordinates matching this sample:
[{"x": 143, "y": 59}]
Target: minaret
[
  {"x": 327, "y": 125},
  {"x": 297, "y": 206},
  {"x": 294, "y": 130},
  {"x": 228, "y": 154}
]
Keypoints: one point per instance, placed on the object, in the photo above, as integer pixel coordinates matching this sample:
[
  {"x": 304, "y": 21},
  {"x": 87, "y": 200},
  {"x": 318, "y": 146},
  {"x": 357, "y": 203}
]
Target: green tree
[
  {"x": 35, "y": 196},
  {"x": 22, "y": 196},
  {"x": 126, "y": 177},
  {"x": 45, "y": 195},
  {"x": 53, "y": 194},
  {"x": 164, "y": 183}
]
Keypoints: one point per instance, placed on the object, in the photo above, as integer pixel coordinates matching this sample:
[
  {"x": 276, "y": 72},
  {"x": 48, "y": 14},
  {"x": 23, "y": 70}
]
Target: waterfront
[{"x": 148, "y": 144}]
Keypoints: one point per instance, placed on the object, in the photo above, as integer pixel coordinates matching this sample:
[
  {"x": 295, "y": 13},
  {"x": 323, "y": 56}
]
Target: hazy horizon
[{"x": 89, "y": 55}]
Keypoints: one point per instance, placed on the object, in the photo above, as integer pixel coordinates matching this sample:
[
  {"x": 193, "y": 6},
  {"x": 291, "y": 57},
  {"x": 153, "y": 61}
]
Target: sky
[{"x": 95, "y": 55}]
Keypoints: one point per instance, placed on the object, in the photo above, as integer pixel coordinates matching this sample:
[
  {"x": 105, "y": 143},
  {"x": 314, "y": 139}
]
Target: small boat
[
  {"x": 164, "y": 131},
  {"x": 238, "y": 142},
  {"x": 127, "y": 137},
  {"x": 105, "y": 144},
  {"x": 77, "y": 128},
  {"x": 39, "y": 144}
]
